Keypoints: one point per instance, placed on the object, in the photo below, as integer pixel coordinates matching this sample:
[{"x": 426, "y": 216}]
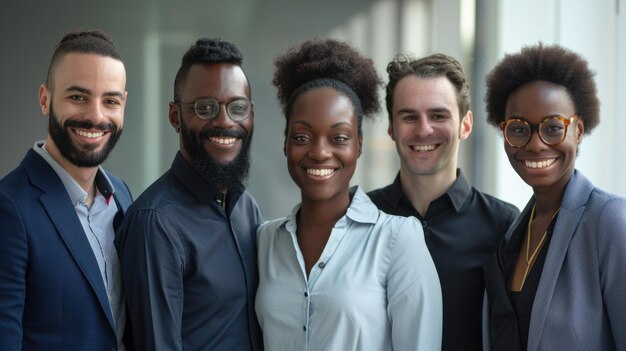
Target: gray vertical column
[{"x": 483, "y": 170}]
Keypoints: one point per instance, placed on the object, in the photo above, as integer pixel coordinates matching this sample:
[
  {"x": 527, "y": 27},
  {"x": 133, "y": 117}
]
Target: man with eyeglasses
[
  {"x": 429, "y": 115},
  {"x": 188, "y": 246}
]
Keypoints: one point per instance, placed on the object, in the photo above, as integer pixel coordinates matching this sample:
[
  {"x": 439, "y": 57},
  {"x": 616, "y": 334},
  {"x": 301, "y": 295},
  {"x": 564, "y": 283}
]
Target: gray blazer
[{"x": 580, "y": 302}]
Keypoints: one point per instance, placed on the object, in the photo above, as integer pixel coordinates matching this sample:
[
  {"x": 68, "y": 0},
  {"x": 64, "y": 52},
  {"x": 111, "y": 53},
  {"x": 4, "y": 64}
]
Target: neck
[
  {"x": 84, "y": 176},
  {"x": 546, "y": 206},
  {"x": 421, "y": 190},
  {"x": 548, "y": 199},
  {"x": 322, "y": 214}
]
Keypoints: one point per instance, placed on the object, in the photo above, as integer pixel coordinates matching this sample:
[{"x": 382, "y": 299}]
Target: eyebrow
[
  {"x": 440, "y": 109},
  {"x": 436, "y": 109},
  {"x": 525, "y": 118},
  {"x": 76, "y": 88},
  {"x": 336, "y": 125}
]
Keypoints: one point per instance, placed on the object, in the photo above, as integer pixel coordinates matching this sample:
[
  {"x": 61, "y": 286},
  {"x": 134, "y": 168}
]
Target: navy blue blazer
[
  {"x": 52, "y": 296},
  {"x": 580, "y": 302}
]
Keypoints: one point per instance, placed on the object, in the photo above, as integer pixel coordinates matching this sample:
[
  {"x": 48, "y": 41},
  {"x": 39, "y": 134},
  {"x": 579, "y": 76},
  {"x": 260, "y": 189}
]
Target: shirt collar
[
  {"x": 196, "y": 185},
  {"x": 458, "y": 192},
  {"x": 361, "y": 210},
  {"x": 75, "y": 191}
]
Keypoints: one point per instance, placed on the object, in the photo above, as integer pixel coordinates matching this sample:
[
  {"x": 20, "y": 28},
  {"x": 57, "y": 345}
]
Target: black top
[
  {"x": 462, "y": 229},
  {"x": 189, "y": 265},
  {"x": 522, "y": 302}
]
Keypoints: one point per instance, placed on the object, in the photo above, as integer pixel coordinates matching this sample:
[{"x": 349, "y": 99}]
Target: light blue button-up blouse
[{"x": 375, "y": 286}]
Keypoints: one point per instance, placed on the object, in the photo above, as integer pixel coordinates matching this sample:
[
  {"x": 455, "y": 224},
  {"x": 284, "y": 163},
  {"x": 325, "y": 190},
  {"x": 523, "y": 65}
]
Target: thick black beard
[
  {"x": 81, "y": 157},
  {"x": 222, "y": 176}
]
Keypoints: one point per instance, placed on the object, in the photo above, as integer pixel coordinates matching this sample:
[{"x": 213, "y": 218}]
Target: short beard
[
  {"x": 85, "y": 157},
  {"x": 229, "y": 176}
]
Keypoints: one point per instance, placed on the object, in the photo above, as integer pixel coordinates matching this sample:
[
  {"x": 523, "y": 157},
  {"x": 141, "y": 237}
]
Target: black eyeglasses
[
  {"x": 208, "y": 108},
  {"x": 552, "y": 130}
]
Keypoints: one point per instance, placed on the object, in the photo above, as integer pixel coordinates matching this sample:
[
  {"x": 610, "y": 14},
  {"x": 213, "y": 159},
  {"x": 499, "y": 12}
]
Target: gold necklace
[{"x": 530, "y": 260}]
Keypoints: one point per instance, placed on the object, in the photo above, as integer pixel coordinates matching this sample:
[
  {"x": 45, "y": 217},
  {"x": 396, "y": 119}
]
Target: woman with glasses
[
  {"x": 557, "y": 281},
  {"x": 337, "y": 273}
]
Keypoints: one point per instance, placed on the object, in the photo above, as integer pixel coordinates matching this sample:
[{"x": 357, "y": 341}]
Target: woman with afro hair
[
  {"x": 557, "y": 280},
  {"x": 337, "y": 273}
]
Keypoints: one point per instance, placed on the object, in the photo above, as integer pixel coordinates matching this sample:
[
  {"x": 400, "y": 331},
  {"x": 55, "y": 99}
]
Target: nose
[
  {"x": 535, "y": 143},
  {"x": 423, "y": 127},
  {"x": 319, "y": 151},
  {"x": 97, "y": 113},
  {"x": 223, "y": 120}
]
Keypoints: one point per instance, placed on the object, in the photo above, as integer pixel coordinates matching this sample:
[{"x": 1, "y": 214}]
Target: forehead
[
  {"x": 539, "y": 99},
  {"x": 424, "y": 93},
  {"x": 90, "y": 71},
  {"x": 323, "y": 106},
  {"x": 221, "y": 81}
]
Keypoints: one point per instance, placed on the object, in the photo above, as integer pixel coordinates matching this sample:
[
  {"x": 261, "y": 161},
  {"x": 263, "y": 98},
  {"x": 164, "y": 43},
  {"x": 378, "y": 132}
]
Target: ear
[
  {"x": 174, "y": 116},
  {"x": 45, "y": 98},
  {"x": 360, "y": 146},
  {"x": 466, "y": 125},
  {"x": 390, "y": 130},
  {"x": 580, "y": 130}
]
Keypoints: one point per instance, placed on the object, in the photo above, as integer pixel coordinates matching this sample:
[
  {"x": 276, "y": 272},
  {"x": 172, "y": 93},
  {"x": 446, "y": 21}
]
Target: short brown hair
[{"x": 433, "y": 66}]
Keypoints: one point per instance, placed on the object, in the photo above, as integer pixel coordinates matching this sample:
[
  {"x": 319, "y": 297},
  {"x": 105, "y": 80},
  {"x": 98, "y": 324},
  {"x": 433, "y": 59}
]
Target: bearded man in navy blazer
[{"x": 60, "y": 285}]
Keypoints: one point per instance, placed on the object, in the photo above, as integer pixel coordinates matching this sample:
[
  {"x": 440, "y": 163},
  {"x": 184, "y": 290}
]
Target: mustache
[
  {"x": 207, "y": 133},
  {"x": 105, "y": 127}
]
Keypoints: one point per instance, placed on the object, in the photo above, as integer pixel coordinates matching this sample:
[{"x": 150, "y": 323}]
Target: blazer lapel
[
  {"x": 57, "y": 204},
  {"x": 572, "y": 208},
  {"x": 122, "y": 199}
]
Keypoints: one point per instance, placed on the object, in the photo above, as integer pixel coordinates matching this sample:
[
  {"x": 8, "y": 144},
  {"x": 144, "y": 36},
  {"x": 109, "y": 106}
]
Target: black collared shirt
[
  {"x": 462, "y": 228},
  {"x": 189, "y": 265}
]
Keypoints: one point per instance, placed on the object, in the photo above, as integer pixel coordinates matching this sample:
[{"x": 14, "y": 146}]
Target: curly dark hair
[
  {"x": 206, "y": 50},
  {"x": 432, "y": 66},
  {"x": 552, "y": 63},
  {"x": 83, "y": 41},
  {"x": 328, "y": 63}
]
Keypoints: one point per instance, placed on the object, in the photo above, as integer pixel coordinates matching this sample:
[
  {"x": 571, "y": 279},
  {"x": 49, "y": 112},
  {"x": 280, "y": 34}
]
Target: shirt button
[
  {"x": 304, "y": 327},
  {"x": 321, "y": 265},
  {"x": 306, "y": 294},
  {"x": 424, "y": 224}
]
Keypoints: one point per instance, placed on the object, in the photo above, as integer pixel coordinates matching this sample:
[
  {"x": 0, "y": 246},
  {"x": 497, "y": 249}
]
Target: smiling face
[
  {"x": 322, "y": 144},
  {"x": 426, "y": 126},
  {"x": 85, "y": 108},
  {"x": 218, "y": 148},
  {"x": 540, "y": 165},
  {"x": 221, "y": 138}
]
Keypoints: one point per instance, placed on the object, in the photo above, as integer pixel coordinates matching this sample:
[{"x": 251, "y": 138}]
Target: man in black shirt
[
  {"x": 429, "y": 115},
  {"x": 188, "y": 244}
]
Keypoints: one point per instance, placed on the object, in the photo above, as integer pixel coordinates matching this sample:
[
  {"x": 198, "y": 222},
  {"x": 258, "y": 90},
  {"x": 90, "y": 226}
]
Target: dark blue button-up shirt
[{"x": 189, "y": 265}]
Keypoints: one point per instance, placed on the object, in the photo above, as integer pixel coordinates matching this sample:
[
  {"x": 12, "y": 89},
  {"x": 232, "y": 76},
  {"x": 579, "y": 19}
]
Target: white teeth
[
  {"x": 320, "y": 172},
  {"x": 224, "y": 141},
  {"x": 89, "y": 134},
  {"x": 540, "y": 164},
  {"x": 423, "y": 148}
]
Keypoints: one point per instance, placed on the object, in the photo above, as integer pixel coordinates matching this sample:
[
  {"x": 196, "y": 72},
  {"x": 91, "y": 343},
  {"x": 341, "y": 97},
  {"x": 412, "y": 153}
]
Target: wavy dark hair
[{"x": 432, "y": 66}]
